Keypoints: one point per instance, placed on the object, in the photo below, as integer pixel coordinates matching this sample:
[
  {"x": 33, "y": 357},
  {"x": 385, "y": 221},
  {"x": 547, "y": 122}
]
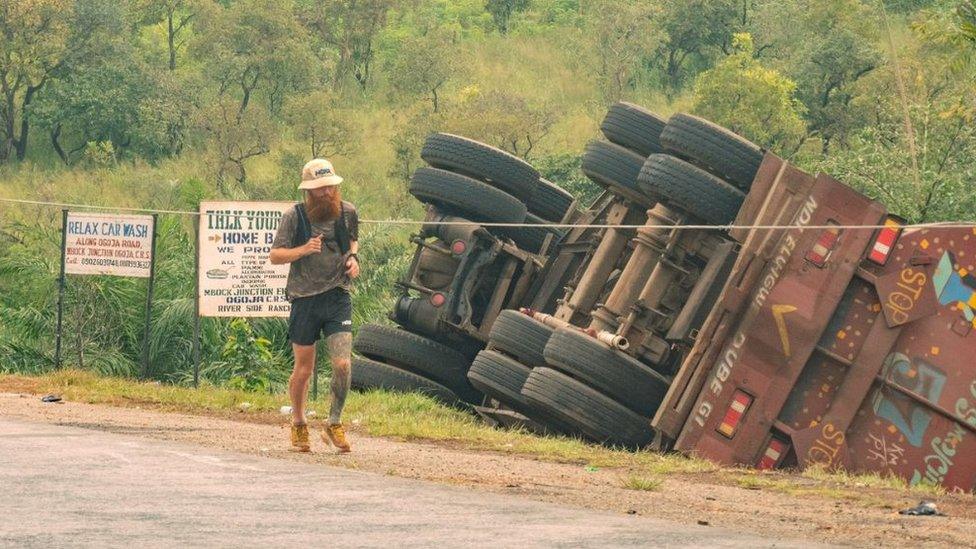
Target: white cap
[{"x": 319, "y": 173}]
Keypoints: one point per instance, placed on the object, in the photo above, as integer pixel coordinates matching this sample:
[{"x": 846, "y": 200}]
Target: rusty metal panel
[
  {"x": 919, "y": 419},
  {"x": 776, "y": 196},
  {"x": 764, "y": 194},
  {"x": 895, "y": 398},
  {"x": 789, "y": 307}
]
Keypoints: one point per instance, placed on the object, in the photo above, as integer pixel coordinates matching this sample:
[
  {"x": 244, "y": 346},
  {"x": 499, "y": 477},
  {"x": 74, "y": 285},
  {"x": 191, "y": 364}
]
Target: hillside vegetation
[{"x": 162, "y": 103}]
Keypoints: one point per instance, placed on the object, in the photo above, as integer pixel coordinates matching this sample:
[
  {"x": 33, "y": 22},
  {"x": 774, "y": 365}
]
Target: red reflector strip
[
  {"x": 821, "y": 250},
  {"x": 884, "y": 242},
  {"x": 829, "y": 238},
  {"x": 740, "y": 403},
  {"x": 774, "y": 451},
  {"x": 818, "y": 255}
]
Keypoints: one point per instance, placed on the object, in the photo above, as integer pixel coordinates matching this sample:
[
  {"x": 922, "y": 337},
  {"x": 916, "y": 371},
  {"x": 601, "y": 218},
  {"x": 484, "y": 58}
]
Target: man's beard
[{"x": 325, "y": 209}]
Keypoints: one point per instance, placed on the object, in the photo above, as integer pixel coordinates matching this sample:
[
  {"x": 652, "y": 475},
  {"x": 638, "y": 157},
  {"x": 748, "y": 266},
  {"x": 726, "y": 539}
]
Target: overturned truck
[
  {"x": 715, "y": 300},
  {"x": 833, "y": 344}
]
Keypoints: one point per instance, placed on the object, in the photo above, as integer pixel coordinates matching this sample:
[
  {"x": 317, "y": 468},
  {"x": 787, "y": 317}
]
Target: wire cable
[{"x": 408, "y": 222}]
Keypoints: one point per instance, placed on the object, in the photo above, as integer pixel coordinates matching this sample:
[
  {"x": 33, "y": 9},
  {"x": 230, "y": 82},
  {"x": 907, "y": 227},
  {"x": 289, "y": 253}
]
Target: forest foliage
[{"x": 162, "y": 103}]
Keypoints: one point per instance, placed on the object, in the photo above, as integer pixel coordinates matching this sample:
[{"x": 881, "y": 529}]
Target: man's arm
[
  {"x": 352, "y": 263},
  {"x": 279, "y": 256}
]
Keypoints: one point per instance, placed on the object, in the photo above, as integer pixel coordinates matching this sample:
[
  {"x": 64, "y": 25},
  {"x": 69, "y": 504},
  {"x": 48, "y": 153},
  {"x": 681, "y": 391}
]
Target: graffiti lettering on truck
[
  {"x": 900, "y": 302},
  {"x": 965, "y": 410},
  {"x": 938, "y": 463},
  {"x": 827, "y": 446},
  {"x": 731, "y": 354}
]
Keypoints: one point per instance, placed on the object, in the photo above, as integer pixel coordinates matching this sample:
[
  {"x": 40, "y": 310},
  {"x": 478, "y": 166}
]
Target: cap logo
[{"x": 323, "y": 171}]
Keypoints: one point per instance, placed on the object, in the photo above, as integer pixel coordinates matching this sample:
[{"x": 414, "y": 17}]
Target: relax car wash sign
[
  {"x": 236, "y": 279},
  {"x": 105, "y": 244}
]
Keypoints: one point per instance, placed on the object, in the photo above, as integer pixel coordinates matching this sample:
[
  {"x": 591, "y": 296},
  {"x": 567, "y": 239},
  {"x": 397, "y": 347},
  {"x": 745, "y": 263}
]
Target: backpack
[{"x": 304, "y": 230}]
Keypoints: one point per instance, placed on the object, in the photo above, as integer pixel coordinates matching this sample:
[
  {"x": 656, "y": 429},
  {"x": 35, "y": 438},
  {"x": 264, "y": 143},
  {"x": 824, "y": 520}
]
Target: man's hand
[
  {"x": 280, "y": 256},
  {"x": 313, "y": 246},
  {"x": 352, "y": 267}
]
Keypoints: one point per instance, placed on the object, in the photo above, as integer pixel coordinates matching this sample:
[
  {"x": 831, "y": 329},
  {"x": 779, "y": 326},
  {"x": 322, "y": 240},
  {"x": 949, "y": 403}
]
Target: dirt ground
[{"x": 698, "y": 500}]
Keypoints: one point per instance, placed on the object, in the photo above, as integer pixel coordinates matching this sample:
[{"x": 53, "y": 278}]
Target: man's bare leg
[
  {"x": 340, "y": 353},
  {"x": 299, "y": 380}
]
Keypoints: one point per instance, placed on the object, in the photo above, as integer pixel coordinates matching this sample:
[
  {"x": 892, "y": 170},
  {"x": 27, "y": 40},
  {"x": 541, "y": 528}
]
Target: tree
[
  {"x": 120, "y": 102},
  {"x": 42, "y": 41},
  {"x": 952, "y": 34},
  {"x": 694, "y": 30},
  {"x": 967, "y": 21},
  {"x": 878, "y": 162},
  {"x": 423, "y": 65},
  {"x": 920, "y": 167},
  {"x": 35, "y": 46},
  {"x": 501, "y": 118},
  {"x": 348, "y": 28},
  {"x": 98, "y": 103},
  {"x": 113, "y": 98},
  {"x": 256, "y": 46},
  {"x": 414, "y": 125},
  {"x": 502, "y": 10},
  {"x": 621, "y": 35},
  {"x": 317, "y": 120},
  {"x": 178, "y": 16},
  {"x": 827, "y": 47},
  {"x": 751, "y": 100},
  {"x": 235, "y": 138}
]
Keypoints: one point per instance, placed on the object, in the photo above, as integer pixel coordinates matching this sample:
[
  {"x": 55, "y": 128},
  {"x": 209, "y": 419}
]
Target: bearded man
[{"x": 319, "y": 239}]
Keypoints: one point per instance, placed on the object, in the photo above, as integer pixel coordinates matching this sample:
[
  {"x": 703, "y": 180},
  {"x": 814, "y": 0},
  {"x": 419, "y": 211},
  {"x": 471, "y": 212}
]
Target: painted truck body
[{"x": 819, "y": 352}]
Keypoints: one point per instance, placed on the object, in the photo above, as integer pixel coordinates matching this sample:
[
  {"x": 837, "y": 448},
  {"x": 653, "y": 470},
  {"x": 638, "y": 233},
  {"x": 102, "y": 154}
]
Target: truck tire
[
  {"x": 550, "y": 201},
  {"x": 484, "y": 162},
  {"x": 598, "y": 416},
  {"x": 369, "y": 374},
  {"x": 465, "y": 197},
  {"x": 502, "y": 378},
  {"x": 520, "y": 336},
  {"x": 419, "y": 355},
  {"x": 615, "y": 168},
  {"x": 619, "y": 376},
  {"x": 531, "y": 239},
  {"x": 634, "y": 127},
  {"x": 713, "y": 148},
  {"x": 691, "y": 189}
]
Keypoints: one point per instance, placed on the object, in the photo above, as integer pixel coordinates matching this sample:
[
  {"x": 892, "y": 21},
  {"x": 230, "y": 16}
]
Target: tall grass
[{"x": 104, "y": 316}]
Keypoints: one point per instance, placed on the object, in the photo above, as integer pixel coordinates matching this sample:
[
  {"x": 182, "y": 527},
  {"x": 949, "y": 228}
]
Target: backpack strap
[
  {"x": 304, "y": 229},
  {"x": 342, "y": 231}
]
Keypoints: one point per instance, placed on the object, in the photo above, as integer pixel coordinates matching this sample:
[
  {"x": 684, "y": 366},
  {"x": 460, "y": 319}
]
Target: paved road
[{"x": 65, "y": 486}]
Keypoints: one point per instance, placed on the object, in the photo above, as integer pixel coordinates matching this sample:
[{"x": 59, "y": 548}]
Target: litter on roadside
[{"x": 924, "y": 508}]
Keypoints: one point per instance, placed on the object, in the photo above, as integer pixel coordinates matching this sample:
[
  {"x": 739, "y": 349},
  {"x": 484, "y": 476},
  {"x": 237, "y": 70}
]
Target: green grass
[
  {"x": 873, "y": 480},
  {"x": 836, "y": 485},
  {"x": 644, "y": 484}
]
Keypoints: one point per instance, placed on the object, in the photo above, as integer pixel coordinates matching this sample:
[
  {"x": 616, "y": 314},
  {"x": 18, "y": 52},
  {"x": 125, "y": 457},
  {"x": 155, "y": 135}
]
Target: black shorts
[{"x": 326, "y": 313}]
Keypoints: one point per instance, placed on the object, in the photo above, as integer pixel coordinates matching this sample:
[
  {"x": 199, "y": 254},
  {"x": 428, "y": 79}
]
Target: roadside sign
[
  {"x": 108, "y": 244},
  {"x": 235, "y": 277}
]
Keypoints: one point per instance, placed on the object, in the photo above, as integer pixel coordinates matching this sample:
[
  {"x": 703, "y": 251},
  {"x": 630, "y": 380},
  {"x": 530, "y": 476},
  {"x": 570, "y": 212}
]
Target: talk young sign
[{"x": 236, "y": 279}]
